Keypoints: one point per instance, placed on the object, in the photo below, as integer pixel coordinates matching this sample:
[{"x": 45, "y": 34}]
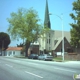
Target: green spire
[{"x": 47, "y": 20}]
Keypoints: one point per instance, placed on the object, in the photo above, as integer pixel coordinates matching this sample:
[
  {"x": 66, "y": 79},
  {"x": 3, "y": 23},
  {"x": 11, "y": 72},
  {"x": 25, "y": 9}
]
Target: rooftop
[{"x": 14, "y": 48}]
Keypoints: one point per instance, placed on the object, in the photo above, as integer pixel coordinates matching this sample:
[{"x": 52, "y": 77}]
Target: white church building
[{"x": 53, "y": 39}]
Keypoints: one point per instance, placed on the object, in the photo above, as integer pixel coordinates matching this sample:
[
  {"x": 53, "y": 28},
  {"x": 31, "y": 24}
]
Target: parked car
[
  {"x": 33, "y": 56},
  {"x": 45, "y": 57}
]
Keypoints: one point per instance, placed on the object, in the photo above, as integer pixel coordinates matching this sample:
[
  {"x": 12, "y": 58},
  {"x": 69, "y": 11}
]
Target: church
[{"x": 53, "y": 40}]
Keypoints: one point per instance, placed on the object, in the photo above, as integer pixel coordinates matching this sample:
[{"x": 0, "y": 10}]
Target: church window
[
  {"x": 65, "y": 41},
  {"x": 49, "y": 41},
  {"x": 49, "y": 34},
  {"x": 55, "y": 41},
  {"x": 49, "y": 48}
]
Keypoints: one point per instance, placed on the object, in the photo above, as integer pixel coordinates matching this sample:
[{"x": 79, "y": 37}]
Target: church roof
[{"x": 58, "y": 34}]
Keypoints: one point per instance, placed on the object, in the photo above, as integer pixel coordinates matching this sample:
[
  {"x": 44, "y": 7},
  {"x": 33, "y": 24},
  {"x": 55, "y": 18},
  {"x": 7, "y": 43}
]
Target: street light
[{"x": 62, "y": 34}]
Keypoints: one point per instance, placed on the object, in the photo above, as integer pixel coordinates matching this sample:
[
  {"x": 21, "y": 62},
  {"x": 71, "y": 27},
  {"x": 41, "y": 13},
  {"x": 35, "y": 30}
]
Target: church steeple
[{"x": 47, "y": 19}]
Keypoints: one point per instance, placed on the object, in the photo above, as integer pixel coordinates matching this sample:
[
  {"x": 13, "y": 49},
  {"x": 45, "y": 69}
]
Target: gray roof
[{"x": 58, "y": 34}]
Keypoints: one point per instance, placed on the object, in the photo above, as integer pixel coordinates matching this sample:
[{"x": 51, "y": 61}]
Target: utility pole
[
  {"x": 61, "y": 18},
  {"x": 62, "y": 39}
]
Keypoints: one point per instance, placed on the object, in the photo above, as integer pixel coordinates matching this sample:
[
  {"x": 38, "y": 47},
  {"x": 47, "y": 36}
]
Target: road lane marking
[
  {"x": 65, "y": 70},
  {"x": 8, "y": 65},
  {"x": 33, "y": 63},
  {"x": 33, "y": 74}
]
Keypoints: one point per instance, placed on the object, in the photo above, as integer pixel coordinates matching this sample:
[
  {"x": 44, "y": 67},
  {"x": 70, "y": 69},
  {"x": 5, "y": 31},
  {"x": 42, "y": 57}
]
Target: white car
[{"x": 45, "y": 57}]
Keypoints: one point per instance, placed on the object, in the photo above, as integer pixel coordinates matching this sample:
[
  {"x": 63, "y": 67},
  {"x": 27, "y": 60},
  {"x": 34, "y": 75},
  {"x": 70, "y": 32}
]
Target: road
[{"x": 27, "y": 69}]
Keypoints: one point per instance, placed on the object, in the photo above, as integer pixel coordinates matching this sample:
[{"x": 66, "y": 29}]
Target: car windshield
[{"x": 34, "y": 54}]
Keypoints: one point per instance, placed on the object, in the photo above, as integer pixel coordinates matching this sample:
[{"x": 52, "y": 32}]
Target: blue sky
[{"x": 57, "y": 7}]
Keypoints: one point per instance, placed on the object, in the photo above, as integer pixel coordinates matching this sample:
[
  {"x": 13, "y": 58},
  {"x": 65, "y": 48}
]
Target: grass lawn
[{"x": 59, "y": 59}]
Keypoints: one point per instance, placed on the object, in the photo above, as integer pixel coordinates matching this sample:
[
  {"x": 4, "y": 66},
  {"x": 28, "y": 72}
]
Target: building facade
[
  {"x": 52, "y": 40},
  {"x": 14, "y": 51}
]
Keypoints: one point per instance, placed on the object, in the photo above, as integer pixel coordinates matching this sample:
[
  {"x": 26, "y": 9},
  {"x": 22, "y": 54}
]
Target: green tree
[
  {"x": 4, "y": 40},
  {"x": 20, "y": 45},
  {"x": 25, "y": 24},
  {"x": 75, "y": 30}
]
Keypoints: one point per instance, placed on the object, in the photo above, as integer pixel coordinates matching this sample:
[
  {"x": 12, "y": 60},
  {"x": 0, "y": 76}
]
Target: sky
[{"x": 56, "y": 7}]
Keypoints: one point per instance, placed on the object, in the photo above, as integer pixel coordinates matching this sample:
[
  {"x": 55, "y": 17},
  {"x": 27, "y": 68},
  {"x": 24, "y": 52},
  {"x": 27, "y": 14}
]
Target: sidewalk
[{"x": 74, "y": 62}]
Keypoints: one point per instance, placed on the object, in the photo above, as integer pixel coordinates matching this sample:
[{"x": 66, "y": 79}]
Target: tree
[
  {"x": 4, "y": 40},
  {"x": 75, "y": 30},
  {"x": 20, "y": 45},
  {"x": 25, "y": 24}
]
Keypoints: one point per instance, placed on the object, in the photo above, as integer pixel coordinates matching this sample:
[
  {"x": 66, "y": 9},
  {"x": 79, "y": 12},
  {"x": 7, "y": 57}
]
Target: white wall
[
  {"x": 44, "y": 41},
  {"x": 50, "y": 36},
  {"x": 13, "y": 53}
]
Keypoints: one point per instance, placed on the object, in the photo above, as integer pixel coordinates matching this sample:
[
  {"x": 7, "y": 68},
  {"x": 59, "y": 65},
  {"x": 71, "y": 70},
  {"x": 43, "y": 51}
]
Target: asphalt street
[{"x": 26, "y": 69}]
